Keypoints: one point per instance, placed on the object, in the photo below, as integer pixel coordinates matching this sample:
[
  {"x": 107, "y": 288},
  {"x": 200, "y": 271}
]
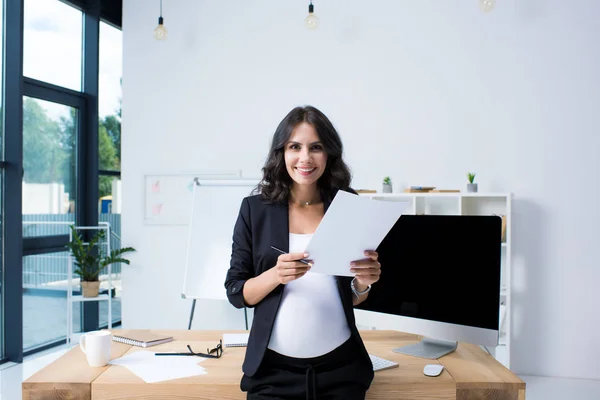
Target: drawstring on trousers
[{"x": 311, "y": 380}]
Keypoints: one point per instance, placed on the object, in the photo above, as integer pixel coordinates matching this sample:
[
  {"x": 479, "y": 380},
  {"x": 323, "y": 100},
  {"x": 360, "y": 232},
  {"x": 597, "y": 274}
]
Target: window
[
  {"x": 49, "y": 162},
  {"x": 45, "y": 300},
  {"x": 109, "y": 149},
  {"x": 59, "y": 61},
  {"x": 52, "y": 42},
  {"x": 49, "y": 198},
  {"x": 109, "y": 98}
]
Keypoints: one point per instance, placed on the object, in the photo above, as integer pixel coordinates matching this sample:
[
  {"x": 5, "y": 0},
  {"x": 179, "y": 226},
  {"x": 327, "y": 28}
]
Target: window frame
[
  {"x": 15, "y": 87},
  {"x": 12, "y": 238},
  {"x": 67, "y": 97}
]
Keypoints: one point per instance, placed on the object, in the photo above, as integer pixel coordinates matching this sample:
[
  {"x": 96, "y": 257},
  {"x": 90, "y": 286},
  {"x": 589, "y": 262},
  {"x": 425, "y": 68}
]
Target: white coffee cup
[{"x": 96, "y": 346}]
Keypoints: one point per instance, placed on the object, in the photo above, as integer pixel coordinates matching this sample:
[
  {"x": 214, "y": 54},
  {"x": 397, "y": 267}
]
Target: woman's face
[{"x": 305, "y": 157}]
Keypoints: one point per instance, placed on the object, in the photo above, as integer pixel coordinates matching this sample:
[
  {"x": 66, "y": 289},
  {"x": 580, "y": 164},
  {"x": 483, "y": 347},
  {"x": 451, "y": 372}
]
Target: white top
[{"x": 310, "y": 321}]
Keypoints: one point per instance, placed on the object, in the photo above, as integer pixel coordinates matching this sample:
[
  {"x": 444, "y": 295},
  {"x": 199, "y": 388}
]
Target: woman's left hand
[{"x": 367, "y": 271}]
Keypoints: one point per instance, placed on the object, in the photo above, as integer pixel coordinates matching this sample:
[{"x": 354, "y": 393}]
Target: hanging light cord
[{"x": 160, "y": 18}]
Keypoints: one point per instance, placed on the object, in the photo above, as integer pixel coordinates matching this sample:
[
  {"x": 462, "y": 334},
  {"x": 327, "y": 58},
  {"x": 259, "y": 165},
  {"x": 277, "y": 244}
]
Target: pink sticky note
[
  {"x": 156, "y": 209},
  {"x": 156, "y": 187}
]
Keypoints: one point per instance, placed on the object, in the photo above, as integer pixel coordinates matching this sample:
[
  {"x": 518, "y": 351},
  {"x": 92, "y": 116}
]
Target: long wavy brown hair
[{"x": 276, "y": 182}]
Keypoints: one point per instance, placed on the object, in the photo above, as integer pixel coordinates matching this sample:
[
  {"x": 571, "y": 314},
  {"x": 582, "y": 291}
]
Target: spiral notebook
[
  {"x": 141, "y": 338},
  {"x": 235, "y": 339}
]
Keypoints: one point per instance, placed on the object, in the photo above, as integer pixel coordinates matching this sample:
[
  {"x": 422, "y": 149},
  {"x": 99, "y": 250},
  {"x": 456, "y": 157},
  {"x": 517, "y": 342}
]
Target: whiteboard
[
  {"x": 168, "y": 197},
  {"x": 215, "y": 209}
]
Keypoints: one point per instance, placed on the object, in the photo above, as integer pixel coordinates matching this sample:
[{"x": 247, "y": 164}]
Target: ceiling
[{"x": 111, "y": 11}]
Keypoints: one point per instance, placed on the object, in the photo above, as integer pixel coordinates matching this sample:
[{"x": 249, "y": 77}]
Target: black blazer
[{"x": 259, "y": 226}]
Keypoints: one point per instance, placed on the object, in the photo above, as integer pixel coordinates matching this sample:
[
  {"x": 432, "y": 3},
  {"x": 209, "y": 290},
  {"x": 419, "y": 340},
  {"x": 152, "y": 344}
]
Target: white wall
[{"x": 423, "y": 91}]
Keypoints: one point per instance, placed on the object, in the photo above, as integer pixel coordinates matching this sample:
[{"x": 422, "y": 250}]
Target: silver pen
[{"x": 283, "y": 252}]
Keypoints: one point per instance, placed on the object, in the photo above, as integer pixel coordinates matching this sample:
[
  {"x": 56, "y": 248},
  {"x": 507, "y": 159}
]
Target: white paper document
[
  {"x": 351, "y": 225},
  {"x": 153, "y": 368}
]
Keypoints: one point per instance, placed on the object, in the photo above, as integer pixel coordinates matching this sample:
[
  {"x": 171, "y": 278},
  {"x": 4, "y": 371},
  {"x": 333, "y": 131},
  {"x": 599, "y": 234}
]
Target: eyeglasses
[{"x": 216, "y": 352}]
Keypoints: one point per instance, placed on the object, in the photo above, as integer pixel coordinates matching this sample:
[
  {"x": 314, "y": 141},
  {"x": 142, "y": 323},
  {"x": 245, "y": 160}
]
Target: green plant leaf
[
  {"x": 89, "y": 258},
  {"x": 115, "y": 256}
]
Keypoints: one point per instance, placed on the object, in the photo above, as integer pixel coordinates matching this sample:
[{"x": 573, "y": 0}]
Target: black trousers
[{"x": 341, "y": 374}]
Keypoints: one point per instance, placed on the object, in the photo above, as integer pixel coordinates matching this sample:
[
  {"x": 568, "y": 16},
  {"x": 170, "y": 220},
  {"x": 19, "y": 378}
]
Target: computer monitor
[{"x": 440, "y": 275}]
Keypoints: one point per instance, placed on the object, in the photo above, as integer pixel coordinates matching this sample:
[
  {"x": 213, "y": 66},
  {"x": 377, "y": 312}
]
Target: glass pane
[
  {"x": 109, "y": 209},
  {"x": 109, "y": 190},
  {"x": 109, "y": 148},
  {"x": 45, "y": 300},
  {"x": 52, "y": 42},
  {"x": 49, "y": 154},
  {"x": 109, "y": 97}
]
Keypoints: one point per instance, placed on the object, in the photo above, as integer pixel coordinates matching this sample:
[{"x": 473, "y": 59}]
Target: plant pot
[
  {"x": 471, "y": 187},
  {"x": 90, "y": 289},
  {"x": 387, "y": 188}
]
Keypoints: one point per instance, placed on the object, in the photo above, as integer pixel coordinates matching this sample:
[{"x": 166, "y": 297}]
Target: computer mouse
[{"x": 433, "y": 369}]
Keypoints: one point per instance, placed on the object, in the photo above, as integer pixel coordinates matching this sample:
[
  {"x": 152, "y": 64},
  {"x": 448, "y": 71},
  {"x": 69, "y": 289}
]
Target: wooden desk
[{"x": 470, "y": 374}]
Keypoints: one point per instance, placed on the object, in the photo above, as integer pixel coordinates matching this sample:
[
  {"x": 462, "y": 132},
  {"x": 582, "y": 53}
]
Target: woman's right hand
[{"x": 289, "y": 267}]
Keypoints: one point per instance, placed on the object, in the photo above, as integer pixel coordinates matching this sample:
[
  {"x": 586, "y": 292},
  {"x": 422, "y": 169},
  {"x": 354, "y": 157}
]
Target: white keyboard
[{"x": 380, "y": 364}]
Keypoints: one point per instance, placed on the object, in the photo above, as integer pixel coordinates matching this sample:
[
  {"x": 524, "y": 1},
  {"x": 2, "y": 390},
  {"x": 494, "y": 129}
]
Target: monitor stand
[{"x": 428, "y": 348}]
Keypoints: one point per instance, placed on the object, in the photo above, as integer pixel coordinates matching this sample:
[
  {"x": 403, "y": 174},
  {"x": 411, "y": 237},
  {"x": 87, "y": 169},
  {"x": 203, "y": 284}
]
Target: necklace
[{"x": 304, "y": 203}]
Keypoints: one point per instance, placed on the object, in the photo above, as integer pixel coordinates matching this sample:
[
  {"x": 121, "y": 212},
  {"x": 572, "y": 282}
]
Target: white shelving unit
[
  {"x": 71, "y": 299},
  {"x": 472, "y": 204}
]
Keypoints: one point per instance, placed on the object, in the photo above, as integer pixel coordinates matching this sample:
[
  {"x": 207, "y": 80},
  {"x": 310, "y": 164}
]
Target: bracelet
[{"x": 356, "y": 292}]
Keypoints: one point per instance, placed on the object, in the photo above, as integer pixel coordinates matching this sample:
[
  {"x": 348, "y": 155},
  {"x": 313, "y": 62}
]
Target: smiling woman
[
  {"x": 305, "y": 341},
  {"x": 305, "y": 157},
  {"x": 52, "y": 42},
  {"x": 307, "y": 147}
]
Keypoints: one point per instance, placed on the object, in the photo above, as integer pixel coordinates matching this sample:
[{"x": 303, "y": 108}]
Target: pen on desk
[{"x": 283, "y": 252}]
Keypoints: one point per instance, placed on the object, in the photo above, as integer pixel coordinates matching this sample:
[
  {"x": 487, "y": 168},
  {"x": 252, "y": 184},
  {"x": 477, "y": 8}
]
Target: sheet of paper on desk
[
  {"x": 351, "y": 225},
  {"x": 152, "y": 368}
]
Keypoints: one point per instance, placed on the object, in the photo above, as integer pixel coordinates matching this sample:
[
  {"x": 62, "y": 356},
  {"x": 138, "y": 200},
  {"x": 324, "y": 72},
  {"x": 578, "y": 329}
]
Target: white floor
[
  {"x": 12, "y": 375},
  {"x": 538, "y": 388}
]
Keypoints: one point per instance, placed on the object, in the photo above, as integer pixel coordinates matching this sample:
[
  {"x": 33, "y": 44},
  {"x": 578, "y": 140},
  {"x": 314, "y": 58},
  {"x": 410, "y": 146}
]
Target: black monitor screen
[{"x": 440, "y": 268}]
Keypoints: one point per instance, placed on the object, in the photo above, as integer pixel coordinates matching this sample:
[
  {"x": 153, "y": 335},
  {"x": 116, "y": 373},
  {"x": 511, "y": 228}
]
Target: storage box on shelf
[{"x": 470, "y": 204}]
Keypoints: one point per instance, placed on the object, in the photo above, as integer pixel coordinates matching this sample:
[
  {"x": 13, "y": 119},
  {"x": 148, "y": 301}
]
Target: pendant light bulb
[
  {"x": 311, "y": 21},
  {"x": 160, "y": 32},
  {"x": 487, "y": 5}
]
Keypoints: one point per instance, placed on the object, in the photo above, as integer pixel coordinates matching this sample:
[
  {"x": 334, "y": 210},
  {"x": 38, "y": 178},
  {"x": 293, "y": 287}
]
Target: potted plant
[
  {"x": 471, "y": 186},
  {"x": 89, "y": 260},
  {"x": 387, "y": 185}
]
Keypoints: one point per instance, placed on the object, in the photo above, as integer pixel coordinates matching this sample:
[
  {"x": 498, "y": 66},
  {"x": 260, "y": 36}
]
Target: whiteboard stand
[
  {"x": 192, "y": 314},
  {"x": 208, "y": 250},
  {"x": 194, "y": 308}
]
